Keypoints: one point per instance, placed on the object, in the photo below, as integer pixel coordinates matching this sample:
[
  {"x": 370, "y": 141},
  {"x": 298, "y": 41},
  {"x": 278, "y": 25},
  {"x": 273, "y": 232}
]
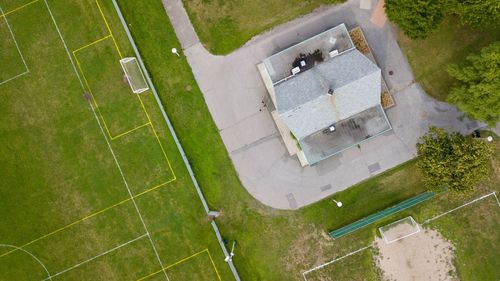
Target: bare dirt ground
[{"x": 422, "y": 256}]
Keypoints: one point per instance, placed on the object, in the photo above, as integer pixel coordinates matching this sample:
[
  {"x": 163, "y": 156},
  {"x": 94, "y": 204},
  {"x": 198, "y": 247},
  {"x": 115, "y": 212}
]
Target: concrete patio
[{"x": 234, "y": 93}]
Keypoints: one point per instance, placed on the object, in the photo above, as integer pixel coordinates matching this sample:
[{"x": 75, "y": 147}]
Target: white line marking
[
  {"x": 33, "y": 256},
  {"x": 64, "y": 43},
  {"x": 427, "y": 221},
  {"x": 98, "y": 256},
  {"x": 174, "y": 136},
  {"x": 128, "y": 190},
  {"x": 15, "y": 41},
  {"x": 333, "y": 261},
  {"x": 12, "y": 78},
  {"x": 110, "y": 148},
  {"x": 463, "y": 205},
  {"x": 18, "y": 50},
  {"x": 498, "y": 202}
]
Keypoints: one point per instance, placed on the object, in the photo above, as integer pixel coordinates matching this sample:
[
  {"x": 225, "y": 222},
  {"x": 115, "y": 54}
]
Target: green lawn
[
  {"x": 11, "y": 58},
  {"x": 272, "y": 244},
  {"x": 225, "y": 25},
  {"x": 62, "y": 196},
  {"x": 57, "y": 170},
  {"x": 450, "y": 43},
  {"x": 475, "y": 232}
]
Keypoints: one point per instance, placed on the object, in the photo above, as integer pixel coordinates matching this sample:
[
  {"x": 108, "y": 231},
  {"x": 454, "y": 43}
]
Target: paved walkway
[{"x": 234, "y": 93}]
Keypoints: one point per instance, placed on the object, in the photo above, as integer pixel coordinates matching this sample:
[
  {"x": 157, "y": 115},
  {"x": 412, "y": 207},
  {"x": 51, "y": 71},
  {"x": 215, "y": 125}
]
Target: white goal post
[
  {"x": 399, "y": 229},
  {"x": 134, "y": 75}
]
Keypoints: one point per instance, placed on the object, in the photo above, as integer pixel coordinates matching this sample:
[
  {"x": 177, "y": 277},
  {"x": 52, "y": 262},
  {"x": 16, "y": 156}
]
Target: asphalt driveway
[{"x": 236, "y": 98}]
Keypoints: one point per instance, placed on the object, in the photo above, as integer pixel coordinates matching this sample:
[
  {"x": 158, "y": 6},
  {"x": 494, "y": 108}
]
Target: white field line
[
  {"x": 174, "y": 136},
  {"x": 463, "y": 205},
  {"x": 33, "y": 256},
  {"x": 498, "y": 202},
  {"x": 333, "y": 261},
  {"x": 14, "y": 77},
  {"x": 129, "y": 191},
  {"x": 98, "y": 256},
  {"x": 427, "y": 221},
  {"x": 64, "y": 43},
  {"x": 17, "y": 47},
  {"x": 109, "y": 146}
]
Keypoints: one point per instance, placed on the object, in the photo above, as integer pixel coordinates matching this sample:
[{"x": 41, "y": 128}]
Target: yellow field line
[
  {"x": 213, "y": 264},
  {"x": 92, "y": 94},
  {"x": 90, "y": 91},
  {"x": 68, "y": 225},
  {"x": 176, "y": 263},
  {"x": 93, "y": 98},
  {"x": 90, "y": 44},
  {"x": 157, "y": 138},
  {"x": 140, "y": 100},
  {"x": 153, "y": 188},
  {"x": 130, "y": 131},
  {"x": 185, "y": 259},
  {"x": 149, "y": 275},
  {"x": 89, "y": 216},
  {"x": 18, "y": 8},
  {"x": 109, "y": 29}
]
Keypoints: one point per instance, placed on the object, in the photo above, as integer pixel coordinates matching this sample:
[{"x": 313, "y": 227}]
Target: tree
[
  {"x": 477, "y": 13},
  {"x": 477, "y": 92},
  {"x": 417, "y": 18},
  {"x": 452, "y": 161}
]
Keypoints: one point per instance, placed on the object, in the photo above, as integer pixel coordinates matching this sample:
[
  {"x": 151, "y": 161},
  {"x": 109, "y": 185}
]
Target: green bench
[{"x": 382, "y": 214}]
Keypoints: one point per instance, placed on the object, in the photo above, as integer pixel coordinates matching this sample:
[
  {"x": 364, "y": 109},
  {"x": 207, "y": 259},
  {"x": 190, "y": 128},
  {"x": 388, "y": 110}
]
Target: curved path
[{"x": 234, "y": 93}]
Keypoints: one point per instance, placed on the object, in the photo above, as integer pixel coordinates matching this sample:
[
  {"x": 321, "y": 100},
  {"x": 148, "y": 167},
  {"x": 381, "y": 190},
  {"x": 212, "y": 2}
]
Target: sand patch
[{"x": 422, "y": 256}]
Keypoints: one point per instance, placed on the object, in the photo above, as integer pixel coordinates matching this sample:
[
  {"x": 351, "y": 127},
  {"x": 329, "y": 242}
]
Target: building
[{"x": 326, "y": 95}]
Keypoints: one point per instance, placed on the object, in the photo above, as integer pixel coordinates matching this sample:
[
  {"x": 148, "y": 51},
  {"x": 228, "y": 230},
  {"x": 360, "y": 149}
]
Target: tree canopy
[
  {"x": 477, "y": 92},
  {"x": 452, "y": 161},
  {"x": 477, "y": 13},
  {"x": 417, "y": 18}
]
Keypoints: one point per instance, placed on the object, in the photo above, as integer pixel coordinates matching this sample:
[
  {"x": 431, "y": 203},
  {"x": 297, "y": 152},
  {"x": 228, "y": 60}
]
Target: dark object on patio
[{"x": 305, "y": 62}]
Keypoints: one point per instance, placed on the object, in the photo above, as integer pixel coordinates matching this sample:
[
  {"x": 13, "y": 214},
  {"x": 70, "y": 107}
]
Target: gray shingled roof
[
  {"x": 303, "y": 102},
  {"x": 337, "y": 38}
]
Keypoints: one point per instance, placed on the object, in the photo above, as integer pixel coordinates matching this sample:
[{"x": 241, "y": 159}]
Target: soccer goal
[
  {"x": 134, "y": 75},
  {"x": 399, "y": 229}
]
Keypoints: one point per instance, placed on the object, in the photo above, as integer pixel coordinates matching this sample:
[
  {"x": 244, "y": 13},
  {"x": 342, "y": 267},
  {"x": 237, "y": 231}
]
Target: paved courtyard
[{"x": 236, "y": 98}]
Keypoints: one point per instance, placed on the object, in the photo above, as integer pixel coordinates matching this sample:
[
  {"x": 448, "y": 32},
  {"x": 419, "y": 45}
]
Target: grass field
[
  {"x": 61, "y": 188},
  {"x": 93, "y": 186},
  {"x": 225, "y": 25},
  {"x": 451, "y": 43},
  {"x": 474, "y": 238}
]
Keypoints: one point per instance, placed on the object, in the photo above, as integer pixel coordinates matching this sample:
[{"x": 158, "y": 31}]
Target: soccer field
[{"x": 92, "y": 186}]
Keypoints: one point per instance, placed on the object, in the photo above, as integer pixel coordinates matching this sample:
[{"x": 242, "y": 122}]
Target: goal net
[
  {"x": 399, "y": 229},
  {"x": 134, "y": 75}
]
